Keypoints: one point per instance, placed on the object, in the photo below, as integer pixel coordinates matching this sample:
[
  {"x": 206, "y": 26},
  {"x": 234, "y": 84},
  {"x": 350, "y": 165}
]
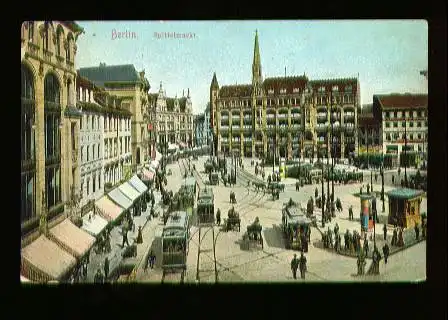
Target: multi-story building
[
  {"x": 132, "y": 89},
  {"x": 402, "y": 114},
  {"x": 171, "y": 118},
  {"x": 200, "y": 137},
  {"x": 50, "y": 121},
  {"x": 369, "y": 131},
  {"x": 207, "y": 132},
  {"x": 285, "y": 115}
]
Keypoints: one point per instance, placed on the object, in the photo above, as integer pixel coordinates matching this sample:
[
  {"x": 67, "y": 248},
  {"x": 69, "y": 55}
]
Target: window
[
  {"x": 395, "y": 114},
  {"x": 28, "y": 168},
  {"x": 94, "y": 183},
  {"x": 52, "y": 114},
  {"x": 88, "y": 149},
  {"x": 46, "y": 36},
  {"x": 411, "y": 136},
  {"x": 426, "y": 123},
  {"x": 58, "y": 41},
  {"x": 388, "y": 137},
  {"x": 93, "y": 122},
  {"x": 403, "y": 124},
  {"x": 82, "y": 154},
  {"x": 411, "y": 124},
  {"x": 387, "y": 114},
  {"x": 387, "y": 124},
  {"x": 419, "y": 136},
  {"x": 30, "y": 30},
  {"x": 67, "y": 50},
  {"x": 395, "y": 124},
  {"x": 419, "y": 124},
  {"x": 98, "y": 148},
  {"x": 88, "y": 186}
]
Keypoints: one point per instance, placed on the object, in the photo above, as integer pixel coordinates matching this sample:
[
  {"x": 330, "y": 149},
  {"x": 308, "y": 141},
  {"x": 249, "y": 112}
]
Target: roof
[
  {"x": 182, "y": 104},
  {"x": 138, "y": 184},
  {"x": 46, "y": 256},
  {"x": 177, "y": 220},
  {"x": 241, "y": 90},
  {"x": 190, "y": 181},
  {"x": 74, "y": 240},
  {"x": 170, "y": 104},
  {"x": 288, "y": 83},
  {"x": 129, "y": 191},
  {"x": 404, "y": 193},
  {"x": 342, "y": 83},
  {"x": 73, "y": 26},
  {"x": 402, "y": 101},
  {"x": 214, "y": 82},
  {"x": 206, "y": 193},
  {"x": 96, "y": 224},
  {"x": 118, "y": 73},
  {"x": 83, "y": 82}
]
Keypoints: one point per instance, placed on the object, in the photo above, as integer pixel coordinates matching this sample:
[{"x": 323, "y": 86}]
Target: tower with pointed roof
[
  {"x": 214, "y": 111},
  {"x": 257, "y": 78}
]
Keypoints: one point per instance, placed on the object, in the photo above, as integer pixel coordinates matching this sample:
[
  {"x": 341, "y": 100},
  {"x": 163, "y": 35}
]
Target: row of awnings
[
  {"x": 149, "y": 171},
  {"x": 50, "y": 257}
]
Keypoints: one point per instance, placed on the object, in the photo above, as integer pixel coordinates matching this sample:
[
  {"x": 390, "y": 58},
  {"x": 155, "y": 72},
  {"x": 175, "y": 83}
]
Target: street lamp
[
  {"x": 405, "y": 155},
  {"x": 328, "y": 168},
  {"x": 322, "y": 196},
  {"x": 382, "y": 183}
]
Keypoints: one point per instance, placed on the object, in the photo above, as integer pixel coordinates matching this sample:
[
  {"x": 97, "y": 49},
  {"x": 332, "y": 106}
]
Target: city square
[{"x": 317, "y": 175}]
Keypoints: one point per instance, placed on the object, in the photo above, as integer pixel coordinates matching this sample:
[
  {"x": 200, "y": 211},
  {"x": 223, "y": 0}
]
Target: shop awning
[
  {"x": 129, "y": 191},
  {"x": 108, "y": 209},
  {"x": 154, "y": 164},
  {"x": 96, "y": 224},
  {"x": 158, "y": 156},
  {"x": 138, "y": 184},
  {"x": 120, "y": 198},
  {"x": 147, "y": 175},
  {"x": 24, "y": 280},
  {"x": 73, "y": 239},
  {"x": 404, "y": 193},
  {"x": 43, "y": 260}
]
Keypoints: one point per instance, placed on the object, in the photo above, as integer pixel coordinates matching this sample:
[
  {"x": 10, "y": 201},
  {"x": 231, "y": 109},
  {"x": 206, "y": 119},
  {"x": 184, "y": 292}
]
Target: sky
[{"x": 386, "y": 55}]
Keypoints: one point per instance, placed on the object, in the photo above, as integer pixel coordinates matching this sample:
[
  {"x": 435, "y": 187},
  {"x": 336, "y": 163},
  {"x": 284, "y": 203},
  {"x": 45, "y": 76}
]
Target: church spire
[{"x": 257, "y": 78}]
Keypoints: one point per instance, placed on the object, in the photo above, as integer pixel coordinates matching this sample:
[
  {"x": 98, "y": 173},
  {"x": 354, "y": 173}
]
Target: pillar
[{"x": 39, "y": 143}]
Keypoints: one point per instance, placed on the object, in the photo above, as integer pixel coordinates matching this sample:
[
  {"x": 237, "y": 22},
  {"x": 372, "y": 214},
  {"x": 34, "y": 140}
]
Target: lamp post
[
  {"x": 332, "y": 155},
  {"x": 405, "y": 155},
  {"x": 328, "y": 169},
  {"x": 322, "y": 196},
  {"x": 382, "y": 182}
]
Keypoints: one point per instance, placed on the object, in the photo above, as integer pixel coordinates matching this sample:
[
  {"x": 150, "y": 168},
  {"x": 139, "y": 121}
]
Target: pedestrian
[
  {"x": 218, "y": 217},
  {"x": 376, "y": 177},
  {"x": 98, "y": 277},
  {"x": 316, "y": 193},
  {"x": 366, "y": 247},
  {"x": 386, "y": 252},
  {"x": 368, "y": 188},
  {"x": 302, "y": 263},
  {"x": 336, "y": 229},
  {"x": 294, "y": 266},
  {"x": 361, "y": 262},
  {"x": 400, "y": 238},
  {"x": 124, "y": 233},
  {"x": 394, "y": 237},
  {"x": 417, "y": 231},
  {"x": 308, "y": 233},
  {"x": 139, "y": 236},
  {"x": 385, "y": 231},
  {"x": 346, "y": 240},
  {"x": 350, "y": 213},
  {"x": 393, "y": 179},
  {"x": 152, "y": 258},
  {"x": 106, "y": 268}
]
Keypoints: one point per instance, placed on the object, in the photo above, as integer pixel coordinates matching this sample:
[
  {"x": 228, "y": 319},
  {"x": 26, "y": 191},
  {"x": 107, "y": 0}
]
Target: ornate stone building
[
  {"x": 294, "y": 114},
  {"x": 50, "y": 121},
  {"x": 171, "y": 118},
  {"x": 132, "y": 87},
  {"x": 369, "y": 131},
  {"x": 397, "y": 112}
]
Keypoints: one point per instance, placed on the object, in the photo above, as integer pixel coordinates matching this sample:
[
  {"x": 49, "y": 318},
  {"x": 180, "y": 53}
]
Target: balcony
[
  {"x": 283, "y": 116},
  {"x": 225, "y": 117},
  {"x": 247, "y": 127},
  {"x": 270, "y": 115},
  {"x": 237, "y": 128},
  {"x": 322, "y": 127},
  {"x": 224, "y": 128}
]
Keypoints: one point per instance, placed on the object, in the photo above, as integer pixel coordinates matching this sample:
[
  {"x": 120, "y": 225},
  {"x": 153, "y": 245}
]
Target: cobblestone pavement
[{"x": 272, "y": 263}]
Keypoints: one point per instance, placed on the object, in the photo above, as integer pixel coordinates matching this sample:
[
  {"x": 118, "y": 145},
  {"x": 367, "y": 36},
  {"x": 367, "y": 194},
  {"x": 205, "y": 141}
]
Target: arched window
[
  {"x": 94, "y": 183},
  {"x": 30, "y": 31},
  {"x": 46, "y": 37},
  {"x": 70, "y": 101},
  {"x": 82, "y": 154},
  {"x": 28, "y": 168},
  {"x": 88, "y": 153},
  {"x": 59, "y": 38},
  {"x": 52, "y": 111},
  {"x": 98, "y": 150},
  {"x": 68, "y": 48},
  {"x": 88, "y": 186}
]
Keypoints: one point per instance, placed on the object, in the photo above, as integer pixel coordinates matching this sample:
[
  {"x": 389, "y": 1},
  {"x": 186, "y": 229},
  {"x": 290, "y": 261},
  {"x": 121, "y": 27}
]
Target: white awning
[
  {"x": 96, "y": 224},
  {"x": 138, "y": 184},
  {"x": 120, "y": 198},
  {"x": 129, "y": 191}
]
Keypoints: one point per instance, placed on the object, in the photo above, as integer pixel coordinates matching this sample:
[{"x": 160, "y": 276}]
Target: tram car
[
  {"x": 295, "y": 227},
  {"x": 205, "y": 206},
  {"x": 190, "y": 184},
  {"x": 175, "y": 243}
]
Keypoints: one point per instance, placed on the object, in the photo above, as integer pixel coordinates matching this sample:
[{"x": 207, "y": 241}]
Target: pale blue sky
[{"x": 387, "y": 54}]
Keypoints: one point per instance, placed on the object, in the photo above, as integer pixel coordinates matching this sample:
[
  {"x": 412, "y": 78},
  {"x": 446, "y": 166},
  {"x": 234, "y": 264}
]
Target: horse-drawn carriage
[
  {"x": 208, "y": 166},
  {"x": 213, "y": 178},
  {"x": 232, "y": 197},
  {"x": 253, "y": 237},
  {"x": 233, "y": 220}
]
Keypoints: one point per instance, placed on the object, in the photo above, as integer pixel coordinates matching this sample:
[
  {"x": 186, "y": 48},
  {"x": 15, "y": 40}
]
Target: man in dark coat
[
  {"x": 294, "y": 266},
  {"x": 106, "y": 268},
  {"x": 336, "y": 229},
  {"x": 218, "y": 217},
  {"x": 98, "y": 277},
  {"x": 361, "y": 263},
  {"x": 139, "y": 235},
  {"x": 417, "y": 231},
  {"x": 124, "y": 232},
  {"x": 385, "y": 231},
  {"x": 366, "y": 247},
  {"x": 386, "y": 252},
  {"x": 394, "y": 237},
  {"x": 350, "y": 213},
  {"x": 302, "y": 263},
  {"x": 346, "y": 240},
  {"x": 393, "y": 179},
  {"x": 400, "y": 241}
]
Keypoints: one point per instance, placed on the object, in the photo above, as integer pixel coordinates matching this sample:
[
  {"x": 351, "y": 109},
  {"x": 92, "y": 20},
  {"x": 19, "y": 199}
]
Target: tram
[
  {"x": 175, "y": 240},
  {"x": 205, "y": 206},
  {"x": 294, "y": 224}
]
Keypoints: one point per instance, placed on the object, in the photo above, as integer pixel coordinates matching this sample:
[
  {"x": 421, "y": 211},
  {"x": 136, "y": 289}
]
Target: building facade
[
  {"x": 403, "y": 115},
  {"x": 285, "y": 116},
  {"x": 200, "y": 137},
  {"x": 369, "y": 131},
  {"x": 171, "y": 118},
  {"x": 50, "y": 122},
  {"x": 132, "y": 88}
]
